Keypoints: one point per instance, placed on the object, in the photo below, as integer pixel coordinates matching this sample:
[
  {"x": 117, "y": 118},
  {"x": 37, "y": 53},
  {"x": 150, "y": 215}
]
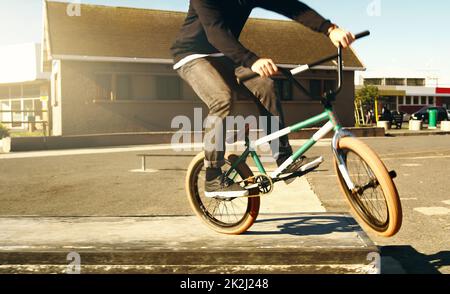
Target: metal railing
[{"x": 30, "y": 124}]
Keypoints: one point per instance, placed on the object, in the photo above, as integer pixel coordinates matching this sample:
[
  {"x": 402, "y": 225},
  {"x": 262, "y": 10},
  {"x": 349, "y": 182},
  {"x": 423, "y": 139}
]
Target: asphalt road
[
  {"x": 99, "y": 182},
  {"x": 423, "y": 168}
]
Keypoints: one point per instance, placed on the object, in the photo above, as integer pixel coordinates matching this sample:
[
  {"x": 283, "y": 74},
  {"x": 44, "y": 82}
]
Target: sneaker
[{"x": 217, "y": 186}]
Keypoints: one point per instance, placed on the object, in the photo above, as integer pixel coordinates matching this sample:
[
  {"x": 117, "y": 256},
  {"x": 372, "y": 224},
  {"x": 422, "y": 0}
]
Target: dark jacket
[{"x": 214, "y": 26}]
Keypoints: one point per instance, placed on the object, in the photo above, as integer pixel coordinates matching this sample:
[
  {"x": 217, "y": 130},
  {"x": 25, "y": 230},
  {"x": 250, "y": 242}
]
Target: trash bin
[{"x": 432, "y": 118}]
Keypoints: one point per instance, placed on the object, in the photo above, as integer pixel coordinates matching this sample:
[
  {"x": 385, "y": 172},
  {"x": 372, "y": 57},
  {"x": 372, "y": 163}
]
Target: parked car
[
  {"x": 423, "y": 114},
  {"x": 448, "y": 113}
]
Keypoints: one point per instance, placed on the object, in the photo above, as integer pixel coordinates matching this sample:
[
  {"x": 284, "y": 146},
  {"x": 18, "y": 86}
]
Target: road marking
[
  {"x": 446, "y": 202},
  {"x": 197, "y": 147},
  {"x": 89, "y": 151},
  {"x": 416, "y": 158},
  {"x": 344, "y": 200},
  {"x": 430, "y": 211},
  {"x": 147, "y": 171},
  {"x": 416, "y": 152},
  {"x": 411, "y": 164}
]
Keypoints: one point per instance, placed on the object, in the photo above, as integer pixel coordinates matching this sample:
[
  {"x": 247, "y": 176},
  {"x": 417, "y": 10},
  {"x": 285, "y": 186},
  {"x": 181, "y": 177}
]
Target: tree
[
  {"x": 4, "y": 133},
  {"x": 367, "y": 95}
]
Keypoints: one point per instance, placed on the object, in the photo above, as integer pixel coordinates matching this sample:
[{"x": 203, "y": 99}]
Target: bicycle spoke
[{"x": 370, "y": 197}]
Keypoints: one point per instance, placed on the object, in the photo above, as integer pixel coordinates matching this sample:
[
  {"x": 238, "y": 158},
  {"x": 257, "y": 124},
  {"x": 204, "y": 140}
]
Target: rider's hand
[
  {"x": 341, "y": 37},
  {"x": 265, "y": 67}
]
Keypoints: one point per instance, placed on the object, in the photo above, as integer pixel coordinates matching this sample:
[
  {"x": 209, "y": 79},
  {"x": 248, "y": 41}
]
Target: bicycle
[{"x": 366, "y": 183}]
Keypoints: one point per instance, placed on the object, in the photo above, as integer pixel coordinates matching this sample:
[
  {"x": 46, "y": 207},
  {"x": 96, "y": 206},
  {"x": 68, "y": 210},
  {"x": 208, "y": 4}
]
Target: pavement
[
  {"x": 423, "y": 168},
  {"x": 288, "y": 243},
  {"x": 97, "y": 204},
  {"x": 100, "y": 182}
]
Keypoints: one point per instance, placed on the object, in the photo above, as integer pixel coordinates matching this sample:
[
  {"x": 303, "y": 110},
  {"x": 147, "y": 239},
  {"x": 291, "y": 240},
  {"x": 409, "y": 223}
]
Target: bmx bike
[{"x": 364, "y": 179}]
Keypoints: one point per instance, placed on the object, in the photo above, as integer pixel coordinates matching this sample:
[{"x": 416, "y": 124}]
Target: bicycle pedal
[{"x": 312, "y": 165}]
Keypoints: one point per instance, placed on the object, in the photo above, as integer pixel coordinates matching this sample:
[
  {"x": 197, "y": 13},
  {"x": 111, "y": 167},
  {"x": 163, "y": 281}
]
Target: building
[
  {"x": 111, "y": 69},
  {"x": 24, "y": 88},
  {"x": 407, "y": 92}
]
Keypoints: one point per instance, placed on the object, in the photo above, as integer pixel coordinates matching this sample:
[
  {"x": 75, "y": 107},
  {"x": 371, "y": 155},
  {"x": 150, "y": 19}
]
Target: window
[
  {"x": 283, "y": 89},
  {"x": 395, "y": 82},
  {"x": 37, "y": 108},
  {"x": 123, "y": 87},
  {"x": 168, "y": 88},
  {"x": 143, "y": 87},
  {"x": 28, "y": 106},
  {"x": 374, "y": 82},
  {"x": 5, "y": 111},
  {"x": 416, "y": 100},
  {"x": 315, "y": 88},
  {"x": 104, "y": 87},
  {"x": 416, "y": 82},
  {"x": 138, "y": 87},
  {"x": 319, "y": 87},
  {"x": 408, "y": 100},
  {"x": 17, "y": 115},
  {"x": 329, "y": 85},
  {"x": 433, "y": 100}
]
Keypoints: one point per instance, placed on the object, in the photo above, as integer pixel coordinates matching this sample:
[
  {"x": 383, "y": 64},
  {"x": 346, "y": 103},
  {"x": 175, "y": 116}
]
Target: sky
[{"x": 407, "y": 35}]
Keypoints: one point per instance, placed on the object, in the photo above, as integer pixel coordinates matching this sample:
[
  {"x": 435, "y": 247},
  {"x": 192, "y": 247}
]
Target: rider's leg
[
  {"x": 211, "y": 82},
  {"x": 270, "y": 107}
]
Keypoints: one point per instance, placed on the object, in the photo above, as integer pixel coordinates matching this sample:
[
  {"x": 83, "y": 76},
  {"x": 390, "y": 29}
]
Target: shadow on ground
[
  {"x": 414, "y": 262},
  {"x": 409, "y": 259},
  {"x": 310, "y": 226}
]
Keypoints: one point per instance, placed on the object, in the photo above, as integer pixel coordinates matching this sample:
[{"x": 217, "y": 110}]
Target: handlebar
[
  {"x": 302, "y": 68},
  {"x": 362, "y": 35}
]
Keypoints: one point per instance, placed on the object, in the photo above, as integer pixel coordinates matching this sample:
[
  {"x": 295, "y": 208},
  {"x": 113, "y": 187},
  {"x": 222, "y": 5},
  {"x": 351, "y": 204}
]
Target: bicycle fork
[{"x": 342, "y": 166}]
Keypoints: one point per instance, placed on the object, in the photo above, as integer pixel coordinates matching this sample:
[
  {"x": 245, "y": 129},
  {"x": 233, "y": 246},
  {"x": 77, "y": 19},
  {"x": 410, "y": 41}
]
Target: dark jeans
[{"x": 214, "y": 80}]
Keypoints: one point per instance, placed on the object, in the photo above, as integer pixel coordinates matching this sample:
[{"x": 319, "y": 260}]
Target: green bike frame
[
  {"x": 331, "y": 125},
  {"x": 328, "y": 115}
]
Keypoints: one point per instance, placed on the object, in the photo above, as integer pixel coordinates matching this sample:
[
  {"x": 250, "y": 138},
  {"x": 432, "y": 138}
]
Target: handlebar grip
[
  {"x": 362, "y": 35},
  {"x": 247, "y": 77}
]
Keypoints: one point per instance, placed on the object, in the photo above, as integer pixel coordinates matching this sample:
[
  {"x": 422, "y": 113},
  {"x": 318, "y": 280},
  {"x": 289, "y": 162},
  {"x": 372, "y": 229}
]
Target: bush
[{"x": 4, "y": 132}]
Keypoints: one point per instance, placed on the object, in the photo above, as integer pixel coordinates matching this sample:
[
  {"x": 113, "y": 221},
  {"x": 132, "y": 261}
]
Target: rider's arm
[
  {"x": 299, "y": 12},
  {"x": 219, "y": 35},
  {"x": 308, "y": 17}
]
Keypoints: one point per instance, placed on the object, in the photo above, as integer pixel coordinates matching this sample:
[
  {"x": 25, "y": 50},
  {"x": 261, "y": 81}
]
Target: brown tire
[
  {"x": 388, "y": 202},
  {"x": 249, "y": 206}
]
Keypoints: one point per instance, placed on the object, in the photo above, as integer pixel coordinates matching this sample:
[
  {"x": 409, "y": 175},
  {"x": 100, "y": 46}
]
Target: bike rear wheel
[
  {"x": 231, "y": 216},
  {"x": 375, "y": 200}
]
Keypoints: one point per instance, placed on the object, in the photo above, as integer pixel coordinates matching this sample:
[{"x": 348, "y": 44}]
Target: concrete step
[{"x": 289, "y": 243}]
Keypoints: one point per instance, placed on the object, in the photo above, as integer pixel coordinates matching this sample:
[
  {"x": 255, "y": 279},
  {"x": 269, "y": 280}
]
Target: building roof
[{"x": 104, "y": 33}]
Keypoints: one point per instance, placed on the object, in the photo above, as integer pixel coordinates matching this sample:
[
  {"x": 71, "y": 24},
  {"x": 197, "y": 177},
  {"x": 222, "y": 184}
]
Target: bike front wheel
[
  {"x": 232, "y": 216},
  {"x": 375, "y": 200}
]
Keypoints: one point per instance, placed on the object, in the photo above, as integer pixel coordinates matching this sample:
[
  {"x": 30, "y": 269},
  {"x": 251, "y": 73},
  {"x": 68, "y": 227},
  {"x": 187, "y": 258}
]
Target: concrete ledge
[
  {"x": 111, "y": 140},
  {"x": 293, "y": 243}
]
